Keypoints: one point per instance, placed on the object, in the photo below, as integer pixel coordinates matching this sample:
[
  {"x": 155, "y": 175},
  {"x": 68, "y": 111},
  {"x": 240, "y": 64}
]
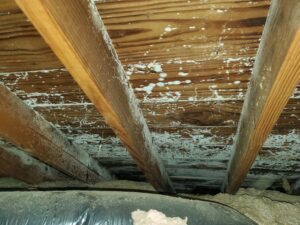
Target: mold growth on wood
[{"x": 189, "y": 73}]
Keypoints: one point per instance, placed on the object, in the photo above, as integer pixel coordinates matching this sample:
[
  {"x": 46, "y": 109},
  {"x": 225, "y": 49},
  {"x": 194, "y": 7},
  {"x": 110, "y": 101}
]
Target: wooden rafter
[
  {"x": 275, "y": 76},
  {"x": 19, "y": 165},
  {"x": 80, "y": 40},
  {"x": 23, "y": 127}
]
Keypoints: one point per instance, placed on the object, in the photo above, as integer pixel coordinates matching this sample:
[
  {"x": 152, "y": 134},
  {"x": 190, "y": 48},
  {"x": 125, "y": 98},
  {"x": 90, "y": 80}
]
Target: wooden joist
[
  {"x": 276, "y": 74},
  {"x": 19, "y": 165},
  {"x": 75, "y": 32},
  {"x": 23, "y": 127}
]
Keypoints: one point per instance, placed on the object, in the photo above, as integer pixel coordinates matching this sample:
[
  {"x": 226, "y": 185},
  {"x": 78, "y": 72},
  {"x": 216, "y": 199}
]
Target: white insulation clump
[{"x": 154, "y": 217}]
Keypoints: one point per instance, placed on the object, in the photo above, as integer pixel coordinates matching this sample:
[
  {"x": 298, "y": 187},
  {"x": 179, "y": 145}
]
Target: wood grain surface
[
  {"x": 275, "y": 76},
  {"x": 211, "y": 44},
  {"x": 23, "y": 127},
  {"x": 80, "y": 40},
  {"x": 19, "y": 165}
]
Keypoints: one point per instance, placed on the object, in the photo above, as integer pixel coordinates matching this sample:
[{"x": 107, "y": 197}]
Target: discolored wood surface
[
  {"x": 275, "y": 76},
  {"x": 191, "y": 81},
  {"x": 19, "y": 165},
  {"x": 103, "y": 81},
  {"x": 24, "y": 127}
]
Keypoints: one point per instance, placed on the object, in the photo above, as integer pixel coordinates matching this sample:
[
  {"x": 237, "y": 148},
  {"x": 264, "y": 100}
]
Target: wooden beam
[
  {"x": 23, "y": 127},
  {"x": 75, "y": 32},
  {"x": 19, "y": 165},
  {"x": 275, "y": 76}
]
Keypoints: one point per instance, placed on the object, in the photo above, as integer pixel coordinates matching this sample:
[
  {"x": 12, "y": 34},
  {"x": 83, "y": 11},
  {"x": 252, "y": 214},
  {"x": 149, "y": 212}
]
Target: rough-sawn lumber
[
  {"x": 22, "y": 126},
  {"x": 275, "y": 75},
  {"x": 19, "y": 165},
  {"x": 76, "y": 34}
]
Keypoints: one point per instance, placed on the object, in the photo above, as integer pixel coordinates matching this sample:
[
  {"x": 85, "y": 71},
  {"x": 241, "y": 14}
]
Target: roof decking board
[{"x": 197, "y": 72}]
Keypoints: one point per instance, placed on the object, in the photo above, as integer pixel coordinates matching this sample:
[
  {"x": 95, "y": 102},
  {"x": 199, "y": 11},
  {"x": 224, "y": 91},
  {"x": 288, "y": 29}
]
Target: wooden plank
[
  {"x": 55, "y": 95},
  {"x": 180, "y": 115},
  {"x": 82, "y": 44},
  {"x": 23, "y": 127},
  {"x": 19, "y": 165},
  {"x": 55, "y": 86},
  {"x": 125, "y": 21},
  {"x": 275, "y": 76},
  {"x": 229, "y": 71},
  {"x": 137, "y": 28}
]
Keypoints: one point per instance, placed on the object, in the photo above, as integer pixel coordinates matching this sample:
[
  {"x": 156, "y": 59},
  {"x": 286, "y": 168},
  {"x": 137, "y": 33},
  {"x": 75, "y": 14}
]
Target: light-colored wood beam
[
  {"x": 75, "y": 32},
  {"x": 275, "y": 75},
  {"x": 22, "y": 126},
  {"x": 19, "y": 165}
]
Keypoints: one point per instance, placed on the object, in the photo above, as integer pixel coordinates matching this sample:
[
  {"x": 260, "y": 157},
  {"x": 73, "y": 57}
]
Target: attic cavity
[{"x": 214, "y": 148}]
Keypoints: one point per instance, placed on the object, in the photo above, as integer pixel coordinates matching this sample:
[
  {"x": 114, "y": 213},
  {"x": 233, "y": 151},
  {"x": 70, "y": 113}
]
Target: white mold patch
[
  {"x": 163, "y": 75},
  {"x": 296, "y": 93},
  {"x": 182, "y": 61},
  {"x": 241, "y": 61},
  {"x": 168, "y": 97},
  {"x": 21, "y": 76},
  {"x": 171, "y": 145},
  {"x": 171, "y": 96},
  {"x": 290, "y": 139},
  {"x": 182, "y": 74},
  {"x": 155, "y": 67},
  {"x": 221, "y": 10},
  {"x": 148, "y": 89},
  {"x": 169, "y": 28},
  {"x": 60, "y": 105},
  {"x": 197, "y": 146},
  {"x": 14, "y": 79},
  {"x": 160, "y": 84},
  {"x": 144, "y": 68}
]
